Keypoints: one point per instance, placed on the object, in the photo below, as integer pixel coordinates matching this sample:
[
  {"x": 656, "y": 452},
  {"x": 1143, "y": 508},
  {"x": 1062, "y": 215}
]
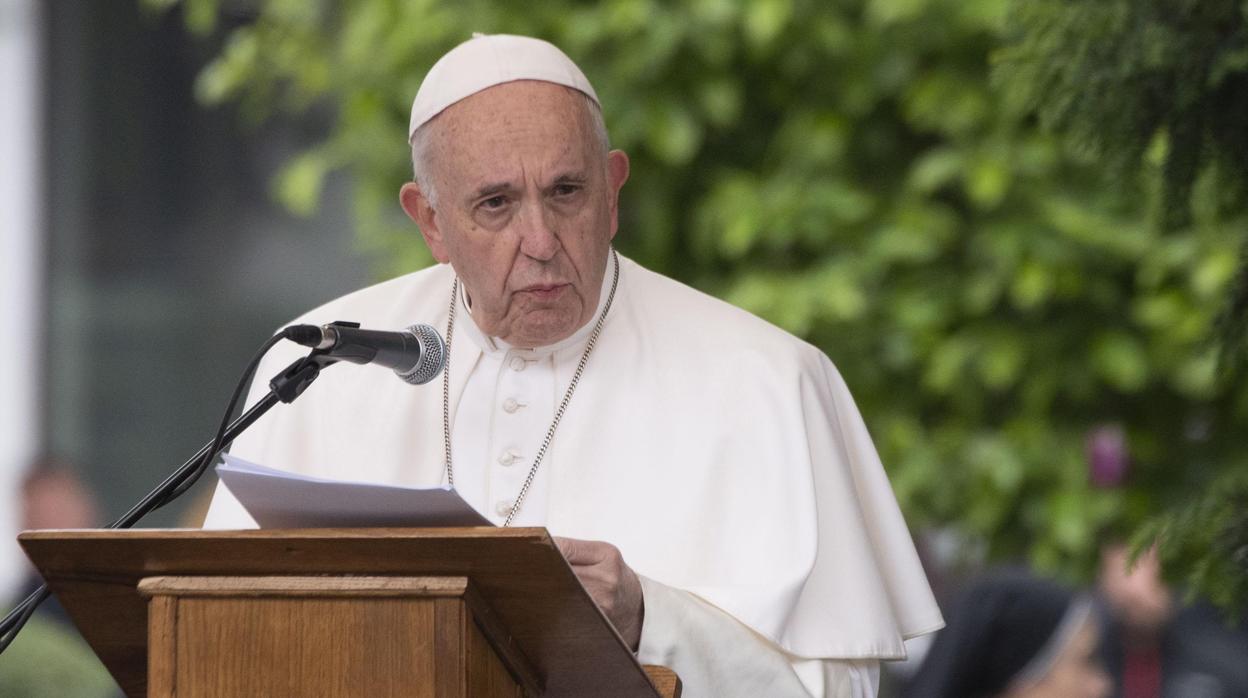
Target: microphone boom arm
[{"x": 284, "y": 387}]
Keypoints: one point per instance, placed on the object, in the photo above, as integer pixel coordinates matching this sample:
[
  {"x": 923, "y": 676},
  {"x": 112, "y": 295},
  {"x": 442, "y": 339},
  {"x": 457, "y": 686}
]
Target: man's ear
[
  {"x": 418, "y": 208},
  {"x": 617, "y": 175}
]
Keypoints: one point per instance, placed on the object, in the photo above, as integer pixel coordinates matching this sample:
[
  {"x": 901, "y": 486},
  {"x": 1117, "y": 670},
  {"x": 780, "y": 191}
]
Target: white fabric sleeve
[{"x": 716, "y": 655}]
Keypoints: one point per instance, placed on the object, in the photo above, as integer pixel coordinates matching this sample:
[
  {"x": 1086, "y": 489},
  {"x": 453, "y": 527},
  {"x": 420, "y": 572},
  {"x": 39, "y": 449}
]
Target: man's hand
[{"x": 612, "y": 584}]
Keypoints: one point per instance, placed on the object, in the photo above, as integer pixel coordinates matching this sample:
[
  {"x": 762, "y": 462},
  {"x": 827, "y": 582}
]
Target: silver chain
[{"x": 563, "y": 406}]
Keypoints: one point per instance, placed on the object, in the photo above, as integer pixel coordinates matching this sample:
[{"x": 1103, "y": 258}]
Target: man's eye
[
  {"x": 566, "y": 189},
  {"x": 494, "y": 202}
]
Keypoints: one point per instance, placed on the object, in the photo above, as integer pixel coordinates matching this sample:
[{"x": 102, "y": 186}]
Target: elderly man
[{"x": 710, "y": 479}]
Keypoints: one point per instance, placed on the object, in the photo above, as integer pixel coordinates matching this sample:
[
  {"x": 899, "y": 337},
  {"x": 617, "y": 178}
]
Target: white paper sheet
[{"x": 279, "y": 499}]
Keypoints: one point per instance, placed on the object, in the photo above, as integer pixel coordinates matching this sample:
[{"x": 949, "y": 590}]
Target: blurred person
[
  {"x": 1013, "y": 635},
  {"x": 49, "y": 658},
  {"x": 53, "y": 496},
  {"x": 712, "y": 484},
  {"x": 1153, "y": 645}
]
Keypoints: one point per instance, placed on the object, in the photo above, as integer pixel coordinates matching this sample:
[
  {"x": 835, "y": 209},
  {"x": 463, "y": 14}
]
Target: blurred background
[{"x": 1015, "y": 225}]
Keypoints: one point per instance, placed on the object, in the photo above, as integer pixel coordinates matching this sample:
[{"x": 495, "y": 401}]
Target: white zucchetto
[{"x": 488, "y": 60}]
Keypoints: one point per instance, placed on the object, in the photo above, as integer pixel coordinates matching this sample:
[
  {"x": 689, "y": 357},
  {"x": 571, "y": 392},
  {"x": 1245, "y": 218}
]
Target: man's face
[
  {"x": 525, "y": 208},
  {"x": 1135, "y": 589}
]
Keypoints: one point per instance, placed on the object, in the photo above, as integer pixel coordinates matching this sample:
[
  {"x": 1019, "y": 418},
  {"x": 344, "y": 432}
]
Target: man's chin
[{"x": 543, "y": 332}]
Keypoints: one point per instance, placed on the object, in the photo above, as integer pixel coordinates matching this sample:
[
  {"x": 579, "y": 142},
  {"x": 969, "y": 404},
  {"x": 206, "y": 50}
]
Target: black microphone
[{"x": 416, "y": 354}]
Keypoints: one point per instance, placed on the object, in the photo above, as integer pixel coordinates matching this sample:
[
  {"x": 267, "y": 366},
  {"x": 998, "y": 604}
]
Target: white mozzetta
[
  {"x": 718, "y": 656},
  {"x": 723, "y": 456}
]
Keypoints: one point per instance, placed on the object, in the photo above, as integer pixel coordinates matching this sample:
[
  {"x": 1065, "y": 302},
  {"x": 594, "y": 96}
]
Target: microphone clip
[{"x": 295, "y": 378}]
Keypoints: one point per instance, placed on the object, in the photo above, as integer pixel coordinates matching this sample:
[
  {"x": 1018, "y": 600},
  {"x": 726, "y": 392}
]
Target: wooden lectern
[{"x": 334, "y": 612}]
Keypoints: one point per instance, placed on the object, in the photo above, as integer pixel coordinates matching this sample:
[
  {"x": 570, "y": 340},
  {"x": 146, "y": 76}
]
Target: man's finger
[{"x": 582, "y": 552}]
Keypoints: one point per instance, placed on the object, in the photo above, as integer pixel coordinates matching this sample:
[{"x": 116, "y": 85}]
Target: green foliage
[
  {"x": 1165, "y": 82},
  {"x": 1121, "y": 76},
  {"x": 1208, "y": 540},
  {"x": 845, "y": 169}
]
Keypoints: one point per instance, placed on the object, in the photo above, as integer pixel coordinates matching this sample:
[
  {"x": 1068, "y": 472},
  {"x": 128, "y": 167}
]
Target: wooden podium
[{"x": 335, "y": 612}]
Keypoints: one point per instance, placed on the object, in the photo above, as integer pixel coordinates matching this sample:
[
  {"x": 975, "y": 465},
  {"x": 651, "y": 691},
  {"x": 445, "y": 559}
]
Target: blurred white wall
[{"x": 21, "y": 267}]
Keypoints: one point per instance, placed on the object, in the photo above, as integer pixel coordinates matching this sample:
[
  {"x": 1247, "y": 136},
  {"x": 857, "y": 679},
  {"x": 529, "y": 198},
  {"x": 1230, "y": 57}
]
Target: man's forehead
[
  {"x": 483, "y": 62},
  {"x": 538, "y": 127}
]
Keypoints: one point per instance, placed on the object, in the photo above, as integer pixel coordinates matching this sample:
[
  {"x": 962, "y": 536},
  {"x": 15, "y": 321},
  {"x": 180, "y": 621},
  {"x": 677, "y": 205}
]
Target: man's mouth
[{"x": 545, "y": 292}]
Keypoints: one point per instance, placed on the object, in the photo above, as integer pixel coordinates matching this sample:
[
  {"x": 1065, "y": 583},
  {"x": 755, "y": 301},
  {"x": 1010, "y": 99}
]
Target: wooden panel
[
  {"x": 665, "y": 680},
  {"x": 467, "y": 664},
  {"x": 450, "y": 660},
  {"x": 293, "y": 642},
  {"x": 162, "y": 648},
  {"x": 106, "y": 617},
  {"x": 501, "y": 643},
  {"x": 487, "y": 676},
  {"x": 530, "y": 591},
  {"x": 304, "y": 646},
  {"x": 295, "y": 586}
]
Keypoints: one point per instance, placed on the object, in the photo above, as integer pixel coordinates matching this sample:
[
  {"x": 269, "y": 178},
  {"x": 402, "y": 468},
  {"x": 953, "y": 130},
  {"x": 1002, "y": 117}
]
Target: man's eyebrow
[
  {"x": 488, "y": 190},
  {"x": 571, "y": 178},
  {"x": 485, "y": 191}
]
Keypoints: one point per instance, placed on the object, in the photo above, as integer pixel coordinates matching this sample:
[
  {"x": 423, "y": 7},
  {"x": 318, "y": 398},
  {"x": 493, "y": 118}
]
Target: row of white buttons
[{"x": 510, "y": 456}]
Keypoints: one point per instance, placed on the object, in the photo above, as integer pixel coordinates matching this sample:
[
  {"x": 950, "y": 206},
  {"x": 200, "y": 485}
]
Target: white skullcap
[{"x": 485, "y": 61}]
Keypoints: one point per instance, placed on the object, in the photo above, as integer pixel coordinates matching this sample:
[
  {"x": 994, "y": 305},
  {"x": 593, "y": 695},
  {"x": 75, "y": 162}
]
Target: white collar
[{"x": 493, "y": 346}]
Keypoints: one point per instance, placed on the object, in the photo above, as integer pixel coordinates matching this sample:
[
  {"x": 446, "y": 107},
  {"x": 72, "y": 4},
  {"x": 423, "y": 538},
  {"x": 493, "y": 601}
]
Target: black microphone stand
[{"x": 284, "y": 387}]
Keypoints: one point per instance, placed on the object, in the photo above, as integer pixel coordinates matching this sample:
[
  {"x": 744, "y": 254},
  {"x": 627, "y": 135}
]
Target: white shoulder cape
[{"x": 722, "y": 456}]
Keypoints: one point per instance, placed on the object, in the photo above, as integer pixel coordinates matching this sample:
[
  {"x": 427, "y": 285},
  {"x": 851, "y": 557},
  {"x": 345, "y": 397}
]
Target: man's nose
[{"x": 538, "y": 238}]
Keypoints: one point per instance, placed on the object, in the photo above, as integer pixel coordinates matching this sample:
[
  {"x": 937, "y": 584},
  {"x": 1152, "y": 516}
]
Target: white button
[
  {"x": 509, "y": 456},
  {"x": 510, "y": 405},
  {"x": 502, "y": 508},
  {"x": 517, "y": 363}
]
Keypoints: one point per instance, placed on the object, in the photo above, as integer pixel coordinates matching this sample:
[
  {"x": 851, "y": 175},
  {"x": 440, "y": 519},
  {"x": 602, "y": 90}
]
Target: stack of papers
[{"x": 279, "y": 499}]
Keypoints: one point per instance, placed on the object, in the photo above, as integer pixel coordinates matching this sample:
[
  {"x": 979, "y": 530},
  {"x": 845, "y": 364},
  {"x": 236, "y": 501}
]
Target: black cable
[
  {"x": 168, "y": 490},
  {"x": 217, "y": 444},
  {"x": 14, "y": 622}
]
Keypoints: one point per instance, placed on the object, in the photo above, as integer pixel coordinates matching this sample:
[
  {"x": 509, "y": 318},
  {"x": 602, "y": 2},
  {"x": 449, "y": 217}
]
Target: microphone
[{"x": 416, "y": 354}]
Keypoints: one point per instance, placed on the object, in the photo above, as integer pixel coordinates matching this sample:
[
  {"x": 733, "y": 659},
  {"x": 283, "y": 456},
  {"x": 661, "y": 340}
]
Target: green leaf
[
  {"x": 298, "y": 186},
  {"x": 936, "y": 169},
  {"x": 1120, "y": 361},
  {"x": 765, "y": 20},
  {"x": 1032, "y": 286},
  {"x": 1000, "y": 361},
  {"x": 673, "y": 134},
  {"x": 895, "y": 11},
  {"x": 945, "y": 367},
  {"x": 201, "y": 15},
  {"x": 987, "y": 183}
]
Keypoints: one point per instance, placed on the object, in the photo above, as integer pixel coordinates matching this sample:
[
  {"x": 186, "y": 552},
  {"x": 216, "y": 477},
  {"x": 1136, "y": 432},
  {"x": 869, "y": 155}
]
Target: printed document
[{"x": 279, "y": 499}]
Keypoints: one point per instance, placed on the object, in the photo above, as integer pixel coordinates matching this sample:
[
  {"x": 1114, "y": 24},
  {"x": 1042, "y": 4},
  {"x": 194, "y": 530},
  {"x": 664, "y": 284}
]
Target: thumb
[{"x": 576, "y": 551}]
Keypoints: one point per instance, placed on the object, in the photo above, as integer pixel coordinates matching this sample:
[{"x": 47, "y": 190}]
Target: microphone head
[{"x": 432, "y": 356}]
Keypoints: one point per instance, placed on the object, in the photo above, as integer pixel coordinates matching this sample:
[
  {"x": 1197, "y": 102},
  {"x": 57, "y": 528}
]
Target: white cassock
[{"x": 724, "y": 457}]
